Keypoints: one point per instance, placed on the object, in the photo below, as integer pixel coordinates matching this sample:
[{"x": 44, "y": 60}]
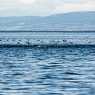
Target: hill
[{"x": 76, "y": 21}]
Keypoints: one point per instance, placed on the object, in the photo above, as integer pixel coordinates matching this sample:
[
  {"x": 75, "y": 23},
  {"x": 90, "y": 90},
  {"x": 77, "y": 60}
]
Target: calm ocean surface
[{"x": 47, "y": 71}]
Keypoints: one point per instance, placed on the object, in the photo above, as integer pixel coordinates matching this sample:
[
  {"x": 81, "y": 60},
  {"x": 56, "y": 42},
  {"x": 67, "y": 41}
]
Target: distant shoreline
[{"x": 45, "y": 31}]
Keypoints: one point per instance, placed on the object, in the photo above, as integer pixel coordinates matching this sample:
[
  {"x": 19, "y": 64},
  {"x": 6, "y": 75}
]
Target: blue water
[
  {"x": 47, "y": 38},
  {"x": 47, "y": 71}
]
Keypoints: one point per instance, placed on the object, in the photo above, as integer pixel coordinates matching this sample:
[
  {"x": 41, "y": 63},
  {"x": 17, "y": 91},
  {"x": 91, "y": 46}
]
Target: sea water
[
  {"x": 47, "y": 38},
  {"x": 47, "y": 71}
]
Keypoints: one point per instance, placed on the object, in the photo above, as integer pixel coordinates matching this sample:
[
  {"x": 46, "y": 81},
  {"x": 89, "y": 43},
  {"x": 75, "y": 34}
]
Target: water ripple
[{"x": 47, "y": 71}]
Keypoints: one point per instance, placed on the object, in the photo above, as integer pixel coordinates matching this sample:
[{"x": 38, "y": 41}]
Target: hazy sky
[{"x": 43, "y": 7}]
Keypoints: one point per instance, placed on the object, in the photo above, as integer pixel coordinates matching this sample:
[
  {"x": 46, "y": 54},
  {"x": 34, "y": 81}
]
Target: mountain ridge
[{"x": 75, "y": 21}]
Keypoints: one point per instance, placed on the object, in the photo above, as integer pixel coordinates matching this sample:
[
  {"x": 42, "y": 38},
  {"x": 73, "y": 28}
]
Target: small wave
[
  {"x": 47, "y": 46},
  {"x": 26, "y": 42}
]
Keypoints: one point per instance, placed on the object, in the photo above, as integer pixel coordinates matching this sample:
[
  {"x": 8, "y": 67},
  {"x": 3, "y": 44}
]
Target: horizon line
[{"x": 47, "y": 15}]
